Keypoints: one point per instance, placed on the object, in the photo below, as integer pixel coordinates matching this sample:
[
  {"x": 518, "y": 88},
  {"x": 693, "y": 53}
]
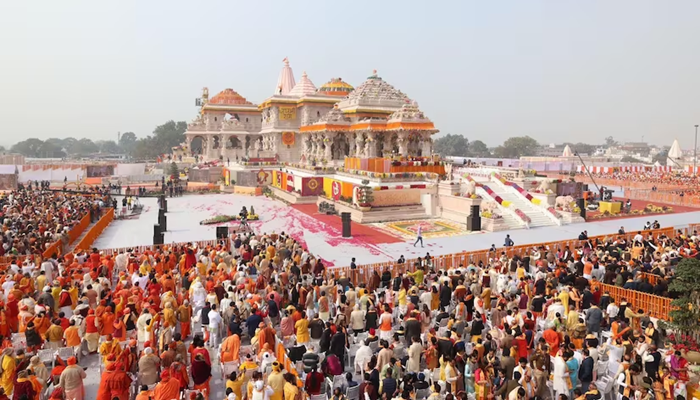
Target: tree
[
  {"x": 50, "y": 150},
  {"x": 2, "y": 149},
  {"x": 168, "y": 135},
  {"x": 28, "y": 148},
  {"x": 85, "y": 146},
  {"x": 451, "y": 145},
  {"x": 68, "y": 144},
  {"x": 145, "y": 149},
  {"x": 127, "y": 142},
  {"x": 609, "y": 141},
  {"x": 630, "y": 159},
  {"x": 478, "y": 148},
  {"x": 108, "y": 147},
  {"x": 685, "y": 310},
  {"x": 516, "y": 147},
  {"x": 174, "y": 171},
  {"x": 660, "y": 157}
]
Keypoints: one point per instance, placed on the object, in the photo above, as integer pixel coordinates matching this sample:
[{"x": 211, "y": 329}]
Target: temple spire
[{"x": 285, "y": 82}]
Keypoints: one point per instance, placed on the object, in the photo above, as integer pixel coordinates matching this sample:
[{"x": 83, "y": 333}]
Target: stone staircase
[
  {"x": 535, "y": 213},
  {"x": 398, "y": 213}
]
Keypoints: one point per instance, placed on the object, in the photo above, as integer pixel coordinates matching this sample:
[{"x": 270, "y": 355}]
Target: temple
[{"x": 301, "y": 123}]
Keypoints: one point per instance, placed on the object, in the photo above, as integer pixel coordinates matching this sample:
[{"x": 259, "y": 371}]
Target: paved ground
[{"x": 186, "y": 212}]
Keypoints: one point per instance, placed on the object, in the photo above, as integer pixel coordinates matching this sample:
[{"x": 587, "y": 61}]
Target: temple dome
[
  {"x": 285, "y": 81},
  {"x": 230, "y": 97},
  {"x": 567, "y": 152},
  {"x": 375, "y": 89},
  {"x": 336, "y": 87},
  {"x": 304, "y": 87},
  {"x": 334, "y": 117},
  {"x": 409, "y": 112}
]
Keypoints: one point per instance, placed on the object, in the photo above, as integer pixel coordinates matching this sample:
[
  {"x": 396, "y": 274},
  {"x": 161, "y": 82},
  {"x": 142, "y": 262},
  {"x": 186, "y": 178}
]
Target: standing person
[
  {"x": 419, "y": 236},
  {"x": 71, "y": 380}
]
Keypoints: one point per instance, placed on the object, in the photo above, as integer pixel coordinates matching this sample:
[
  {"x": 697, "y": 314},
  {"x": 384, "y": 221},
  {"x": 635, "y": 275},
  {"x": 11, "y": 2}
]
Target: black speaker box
[
  {"x": 474, "y": 222},
  {"x": 581, "y": 204},
  {"x": 345, "y": 217},
  {"x": 221, "y": 232}
]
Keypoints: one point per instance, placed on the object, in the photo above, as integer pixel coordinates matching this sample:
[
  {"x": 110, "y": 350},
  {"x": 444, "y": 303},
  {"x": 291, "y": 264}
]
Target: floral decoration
[{"x": 683, "y": 342}]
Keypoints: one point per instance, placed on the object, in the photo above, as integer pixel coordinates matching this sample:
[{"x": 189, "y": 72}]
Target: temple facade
[{"x": 303, "y": 123}]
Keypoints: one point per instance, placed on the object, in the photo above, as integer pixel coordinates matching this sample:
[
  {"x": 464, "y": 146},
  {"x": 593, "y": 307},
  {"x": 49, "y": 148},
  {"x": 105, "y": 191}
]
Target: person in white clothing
[
  {"x": 261, "y": 391},
  {"x": 561, "y": 374},
  {"x": 215, "y": 323}
]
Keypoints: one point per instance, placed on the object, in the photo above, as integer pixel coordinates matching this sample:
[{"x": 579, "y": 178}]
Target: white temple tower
[
  {"x": 285, "y": 82},
  {"x": 567, "y": 152},
  {"x": 675, "y": 155}
]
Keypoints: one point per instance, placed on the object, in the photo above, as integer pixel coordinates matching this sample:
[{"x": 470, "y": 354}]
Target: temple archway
[
  {"x": 197, "y": 145},
  {"x": 235, "y": 143}
]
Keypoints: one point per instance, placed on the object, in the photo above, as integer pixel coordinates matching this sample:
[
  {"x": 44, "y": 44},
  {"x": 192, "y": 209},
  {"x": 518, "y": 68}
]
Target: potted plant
[
  {"x": 685, "y": 310},
  {"x": 365, "y": 196}
]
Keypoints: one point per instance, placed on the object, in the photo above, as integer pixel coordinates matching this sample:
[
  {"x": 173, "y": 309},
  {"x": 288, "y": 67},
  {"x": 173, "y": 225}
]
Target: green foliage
[
  {"x": 174, "y": 170},
  {"x": 28, "y": 148},
  {"x": 164, "y": 138},
  {"x": 609, "y": 141},
  {"x": 127, "y": 142},
  {"x": 660, "y": 157},
  {"x": 685, "y": 313},
  {"x": 451, "y": 145},
  {"x": 366, "y": 194},
  {"x": 478, "y": 148},
  {"x": 516, "y": 147},
  {"x": 630, "y": 159},
  {"x": 108, "y": 147}
]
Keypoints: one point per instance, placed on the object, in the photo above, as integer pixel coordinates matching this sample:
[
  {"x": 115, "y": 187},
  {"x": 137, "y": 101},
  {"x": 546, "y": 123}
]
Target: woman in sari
[
  {"x": 201, "y": 374},
  {"x": 679, "y": 367},
  {"x": 482, "y": 383}
]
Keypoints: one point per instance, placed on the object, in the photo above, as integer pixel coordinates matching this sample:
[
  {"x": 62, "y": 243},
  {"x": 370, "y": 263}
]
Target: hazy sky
[{"x": 558, "y": 70}]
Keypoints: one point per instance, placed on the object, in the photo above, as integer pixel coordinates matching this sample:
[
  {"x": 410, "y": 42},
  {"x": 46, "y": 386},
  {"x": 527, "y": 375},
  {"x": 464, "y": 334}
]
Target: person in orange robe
[
  {"x": 552, "y": 338},
  {"x": 12, "y": 313},
  {"x": 184, "y": 315},
  {"x": 168, "y": 388},
  {"x": 115, "y": 383},
  {"x": 4, "y": 323},
  {"x": 107, "y": 322},
  {"x": 230, "y": 349}
]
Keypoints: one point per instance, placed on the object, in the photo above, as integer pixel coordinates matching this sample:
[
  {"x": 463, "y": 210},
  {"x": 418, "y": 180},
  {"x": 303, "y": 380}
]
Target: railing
[
  {"x": 94, "y": 232},
  {"x": 654, "y": 306},
  {"x": 666, "y": 197},
  {"x": 141, "y": 249},
  {"x": 78, "y": 230},
  {"x": 363, "y": 272}
]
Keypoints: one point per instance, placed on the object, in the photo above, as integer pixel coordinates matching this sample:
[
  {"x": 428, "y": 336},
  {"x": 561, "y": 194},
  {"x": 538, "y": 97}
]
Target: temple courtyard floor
[{"x": 322, "y": 233}]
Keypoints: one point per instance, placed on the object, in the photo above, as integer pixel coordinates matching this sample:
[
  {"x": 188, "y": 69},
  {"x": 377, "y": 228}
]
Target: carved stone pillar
[
  {"x": 314, "y": 146},
  {"x": 427, "y": 145},
  {"x": 359, "y": 144},
  {"x": 403, "y": 143},
  {"x": 386, "y": 144},
  {"x": 371, "y": 145},
  {"x": 328, "y": 142}
]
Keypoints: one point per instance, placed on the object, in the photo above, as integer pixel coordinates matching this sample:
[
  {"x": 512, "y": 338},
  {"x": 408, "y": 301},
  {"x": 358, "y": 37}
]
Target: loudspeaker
[
  {"x": 158, "y": 235},
  {"x": 162, "y": 220},
  {"x": 345, "y": 217},
  {"x": 474, "y": 222},
  {"x": 581, "y": 204},
  {"x": 222, "y": 232},
  {"x": 475, "y": 210}
]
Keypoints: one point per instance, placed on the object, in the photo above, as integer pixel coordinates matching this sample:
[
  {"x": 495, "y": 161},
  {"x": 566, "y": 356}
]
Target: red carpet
[{"x": 361, "y": 232}]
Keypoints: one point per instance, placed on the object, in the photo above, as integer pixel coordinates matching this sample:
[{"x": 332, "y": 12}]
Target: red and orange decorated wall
[{"x": 308, "y": 186}]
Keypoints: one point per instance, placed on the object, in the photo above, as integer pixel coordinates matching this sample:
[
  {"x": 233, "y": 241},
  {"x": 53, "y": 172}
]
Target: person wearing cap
[
  {"x": 71, "y": 380},
  {"x": 148, "y": 367},
  {"x": 276, "y": 381}
]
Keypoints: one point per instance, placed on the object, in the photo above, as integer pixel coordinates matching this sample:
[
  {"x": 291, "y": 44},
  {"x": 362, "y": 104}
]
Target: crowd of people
[
  {"x": 162, "y": 322},
  {"x": 34, "y": 219}
]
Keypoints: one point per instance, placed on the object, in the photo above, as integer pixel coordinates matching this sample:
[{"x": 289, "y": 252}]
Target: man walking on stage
[{"x": 420, "y": 236}]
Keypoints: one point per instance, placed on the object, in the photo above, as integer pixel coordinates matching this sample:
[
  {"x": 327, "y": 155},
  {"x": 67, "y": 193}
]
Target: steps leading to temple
[{"x": 399, "y": 213}]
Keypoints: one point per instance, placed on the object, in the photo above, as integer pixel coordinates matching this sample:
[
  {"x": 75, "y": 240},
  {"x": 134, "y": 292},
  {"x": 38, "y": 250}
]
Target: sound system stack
[
  {"x": 222, "y": 232},
  {"x": 474, "y": 220},
  {"x": 581, "y": 204},
  {"x": 162, "y": 220},
  {"x": 345, "y": 217},
  {"x": 158, "y": 235}
]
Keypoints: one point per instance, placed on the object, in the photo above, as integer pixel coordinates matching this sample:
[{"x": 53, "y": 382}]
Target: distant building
[
  {"x": 12, "y": 159},
  {"x": 640, "y": 148}
]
